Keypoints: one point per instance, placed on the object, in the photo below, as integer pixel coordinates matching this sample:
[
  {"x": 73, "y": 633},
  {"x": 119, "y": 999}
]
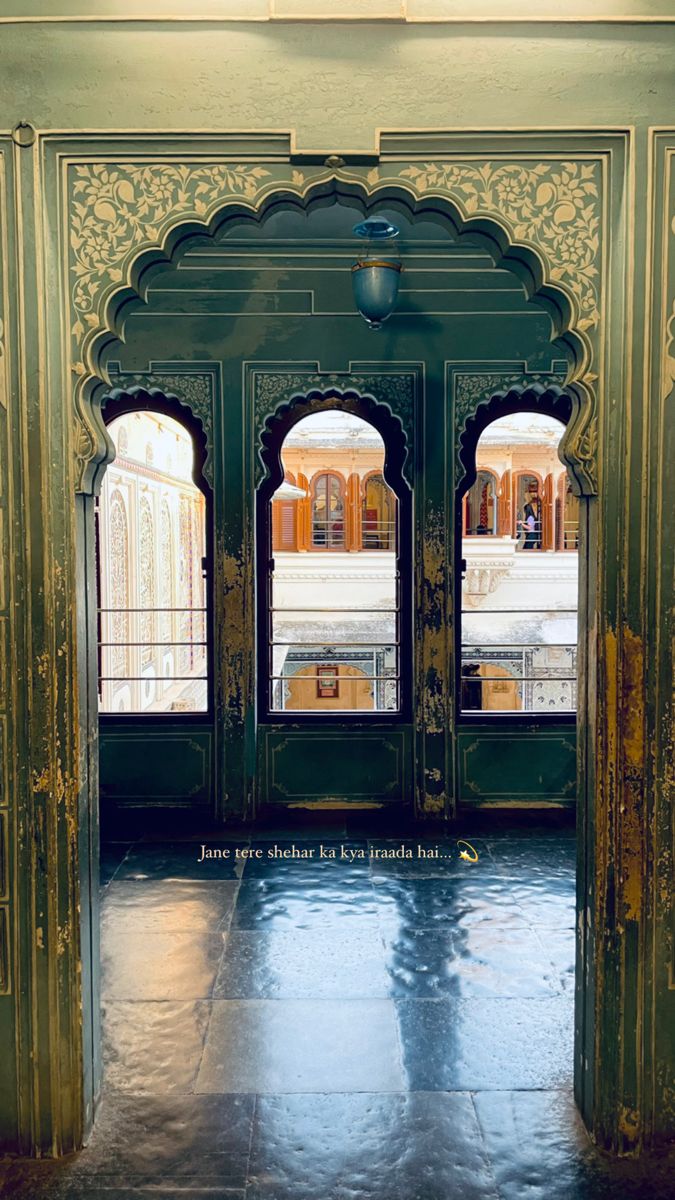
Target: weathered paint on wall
[{"x": 423, "y": 78}]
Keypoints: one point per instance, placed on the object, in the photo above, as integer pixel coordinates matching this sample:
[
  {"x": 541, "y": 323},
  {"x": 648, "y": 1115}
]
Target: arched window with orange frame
[
  {"x": 481, "y": 505},
  {"x": 328, "y": 511},
  {"x": 379, "y": 514}
]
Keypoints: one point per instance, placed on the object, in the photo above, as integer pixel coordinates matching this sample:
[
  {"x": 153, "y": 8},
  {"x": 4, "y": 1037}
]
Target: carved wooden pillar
[
  {"x": 504, "y": 506},
  {"x": 276, "y": 525},
  {"x": 547, "y": 515},
  {"x": 303, "y": 516},
  {"x": 515, "y": 530},
  {"x": 353, "y": 521}
]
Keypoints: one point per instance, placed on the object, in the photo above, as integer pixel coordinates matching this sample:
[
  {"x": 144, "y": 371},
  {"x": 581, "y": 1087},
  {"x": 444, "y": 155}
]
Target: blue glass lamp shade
[{"x": 376, "y": 276}]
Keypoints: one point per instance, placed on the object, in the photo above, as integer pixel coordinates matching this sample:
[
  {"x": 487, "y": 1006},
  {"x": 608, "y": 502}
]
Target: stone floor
[{"x": 316, "y": 1029}]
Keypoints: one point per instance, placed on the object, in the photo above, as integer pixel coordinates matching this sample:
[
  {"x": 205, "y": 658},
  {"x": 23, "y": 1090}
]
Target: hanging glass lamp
[{"x": 376, "y": 276}]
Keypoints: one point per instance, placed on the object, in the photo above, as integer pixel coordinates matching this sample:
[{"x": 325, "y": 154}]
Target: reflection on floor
[{"x": 315, "y": 1029}]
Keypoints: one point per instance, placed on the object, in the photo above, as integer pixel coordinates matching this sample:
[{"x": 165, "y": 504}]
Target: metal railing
[
  {"x": 140, "y": 667},
  {"x": 378, "y": 535},
  {"x": 328, "y": 534}
]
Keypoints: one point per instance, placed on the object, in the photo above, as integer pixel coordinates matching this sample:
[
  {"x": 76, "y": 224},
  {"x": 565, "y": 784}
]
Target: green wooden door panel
[
  {"x": 517, "y": 766},
  {"x": 335, "y": 766},
  {"x": 171, "y": 767}
]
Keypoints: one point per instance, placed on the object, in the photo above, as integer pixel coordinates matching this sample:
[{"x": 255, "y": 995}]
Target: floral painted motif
[
  {"x": 555, "y": 206},
  {"x": 116, "y": 209}
]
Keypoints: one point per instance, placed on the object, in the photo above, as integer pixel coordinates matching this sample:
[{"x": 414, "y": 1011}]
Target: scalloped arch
[
  {"x": 550, "y": 401},
  {"x": 114, "y": 290},
  {"x": 120, "y": 401},
  {"x": 303, "y": 404}
]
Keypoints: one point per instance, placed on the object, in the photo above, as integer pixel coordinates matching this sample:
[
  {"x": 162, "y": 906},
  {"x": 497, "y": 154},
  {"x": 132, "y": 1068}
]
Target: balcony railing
[
  {"x": 378, "y": 535},
  {"x": 328, "y": 535}
]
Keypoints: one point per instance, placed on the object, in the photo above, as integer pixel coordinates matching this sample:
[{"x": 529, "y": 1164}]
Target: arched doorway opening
[
  {"x": 154, "y": 556},
  {"x": 334, "y": 619},
  {"x": 343, "y": 518},
  {"x": 518, "y": 612},
  {"x": 153, "y": 644}
]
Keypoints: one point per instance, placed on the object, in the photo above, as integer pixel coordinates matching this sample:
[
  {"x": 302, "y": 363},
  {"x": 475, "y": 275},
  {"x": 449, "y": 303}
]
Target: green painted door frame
[{"x": 60, "y": 204}]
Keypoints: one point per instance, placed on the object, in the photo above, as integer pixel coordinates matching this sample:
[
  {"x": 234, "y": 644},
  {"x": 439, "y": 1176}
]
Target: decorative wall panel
[
  {"x": 307, "y": 766},
  {"x": 7, "y": 685},
  {"x": 5, "y": 977},
  {"x": 546, "y": 211},
  {"x": 496, "y": 767},
  {"x": 172, "y": 770},
  {"x": 657, "y": 828}
]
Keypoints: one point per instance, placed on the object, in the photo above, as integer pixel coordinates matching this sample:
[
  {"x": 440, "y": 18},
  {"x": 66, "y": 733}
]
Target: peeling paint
[
  {"x": 632, "y": 817},
  {"x": 629, "y": 1124}
]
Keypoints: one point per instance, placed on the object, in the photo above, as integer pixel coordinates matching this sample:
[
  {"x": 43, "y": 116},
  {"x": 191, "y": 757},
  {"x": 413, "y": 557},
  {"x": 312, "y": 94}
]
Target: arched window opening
[
  {"x": 328, "y": 512},
  {"x": 481, "y": 506},
  {"x": 152, "y": 545},
  {"x": 334, "y": 622},
  {"x": 518, "y": 608},
  {"x": 379, "y": 515}
]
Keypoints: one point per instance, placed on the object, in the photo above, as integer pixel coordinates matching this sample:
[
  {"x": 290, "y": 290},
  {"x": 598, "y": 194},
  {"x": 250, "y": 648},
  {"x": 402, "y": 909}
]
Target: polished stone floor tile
[
  {"x": 307, "y": 862},
  {"x": 159, "y": 966},
  {"x": 476, "y": 961},
  {"x": 374, "y": 1032},
  {"x": 112, "y": 856},
  {"x": 548, "y": 902},
  {"x": 421, "y": 858},
  {"x": 446, "y": 903},
  {"x": 183, "y": 1141},
  {"x": 273, "y": 830},
  {"x": 47, "y": 1182},
  {"x": 538, "y": 1148},
  {"x": 153, "y": 1047},
  {"x": 172, "y": 1137},
  {"x": 529, "y": 854},
  {"x": 301, "y": 1046},
  {"x": 291, "y": 904},
  {"x": 469, "y": 1045},
  {"x": 370, "y": 1147},
  {"x": 158, "y": 906},
  {"x": 520, "y": 826},
  {"x": 301, "y": 964},
  {"x": 560, "y": 947},
  {"x": 180, "y": 860}
]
